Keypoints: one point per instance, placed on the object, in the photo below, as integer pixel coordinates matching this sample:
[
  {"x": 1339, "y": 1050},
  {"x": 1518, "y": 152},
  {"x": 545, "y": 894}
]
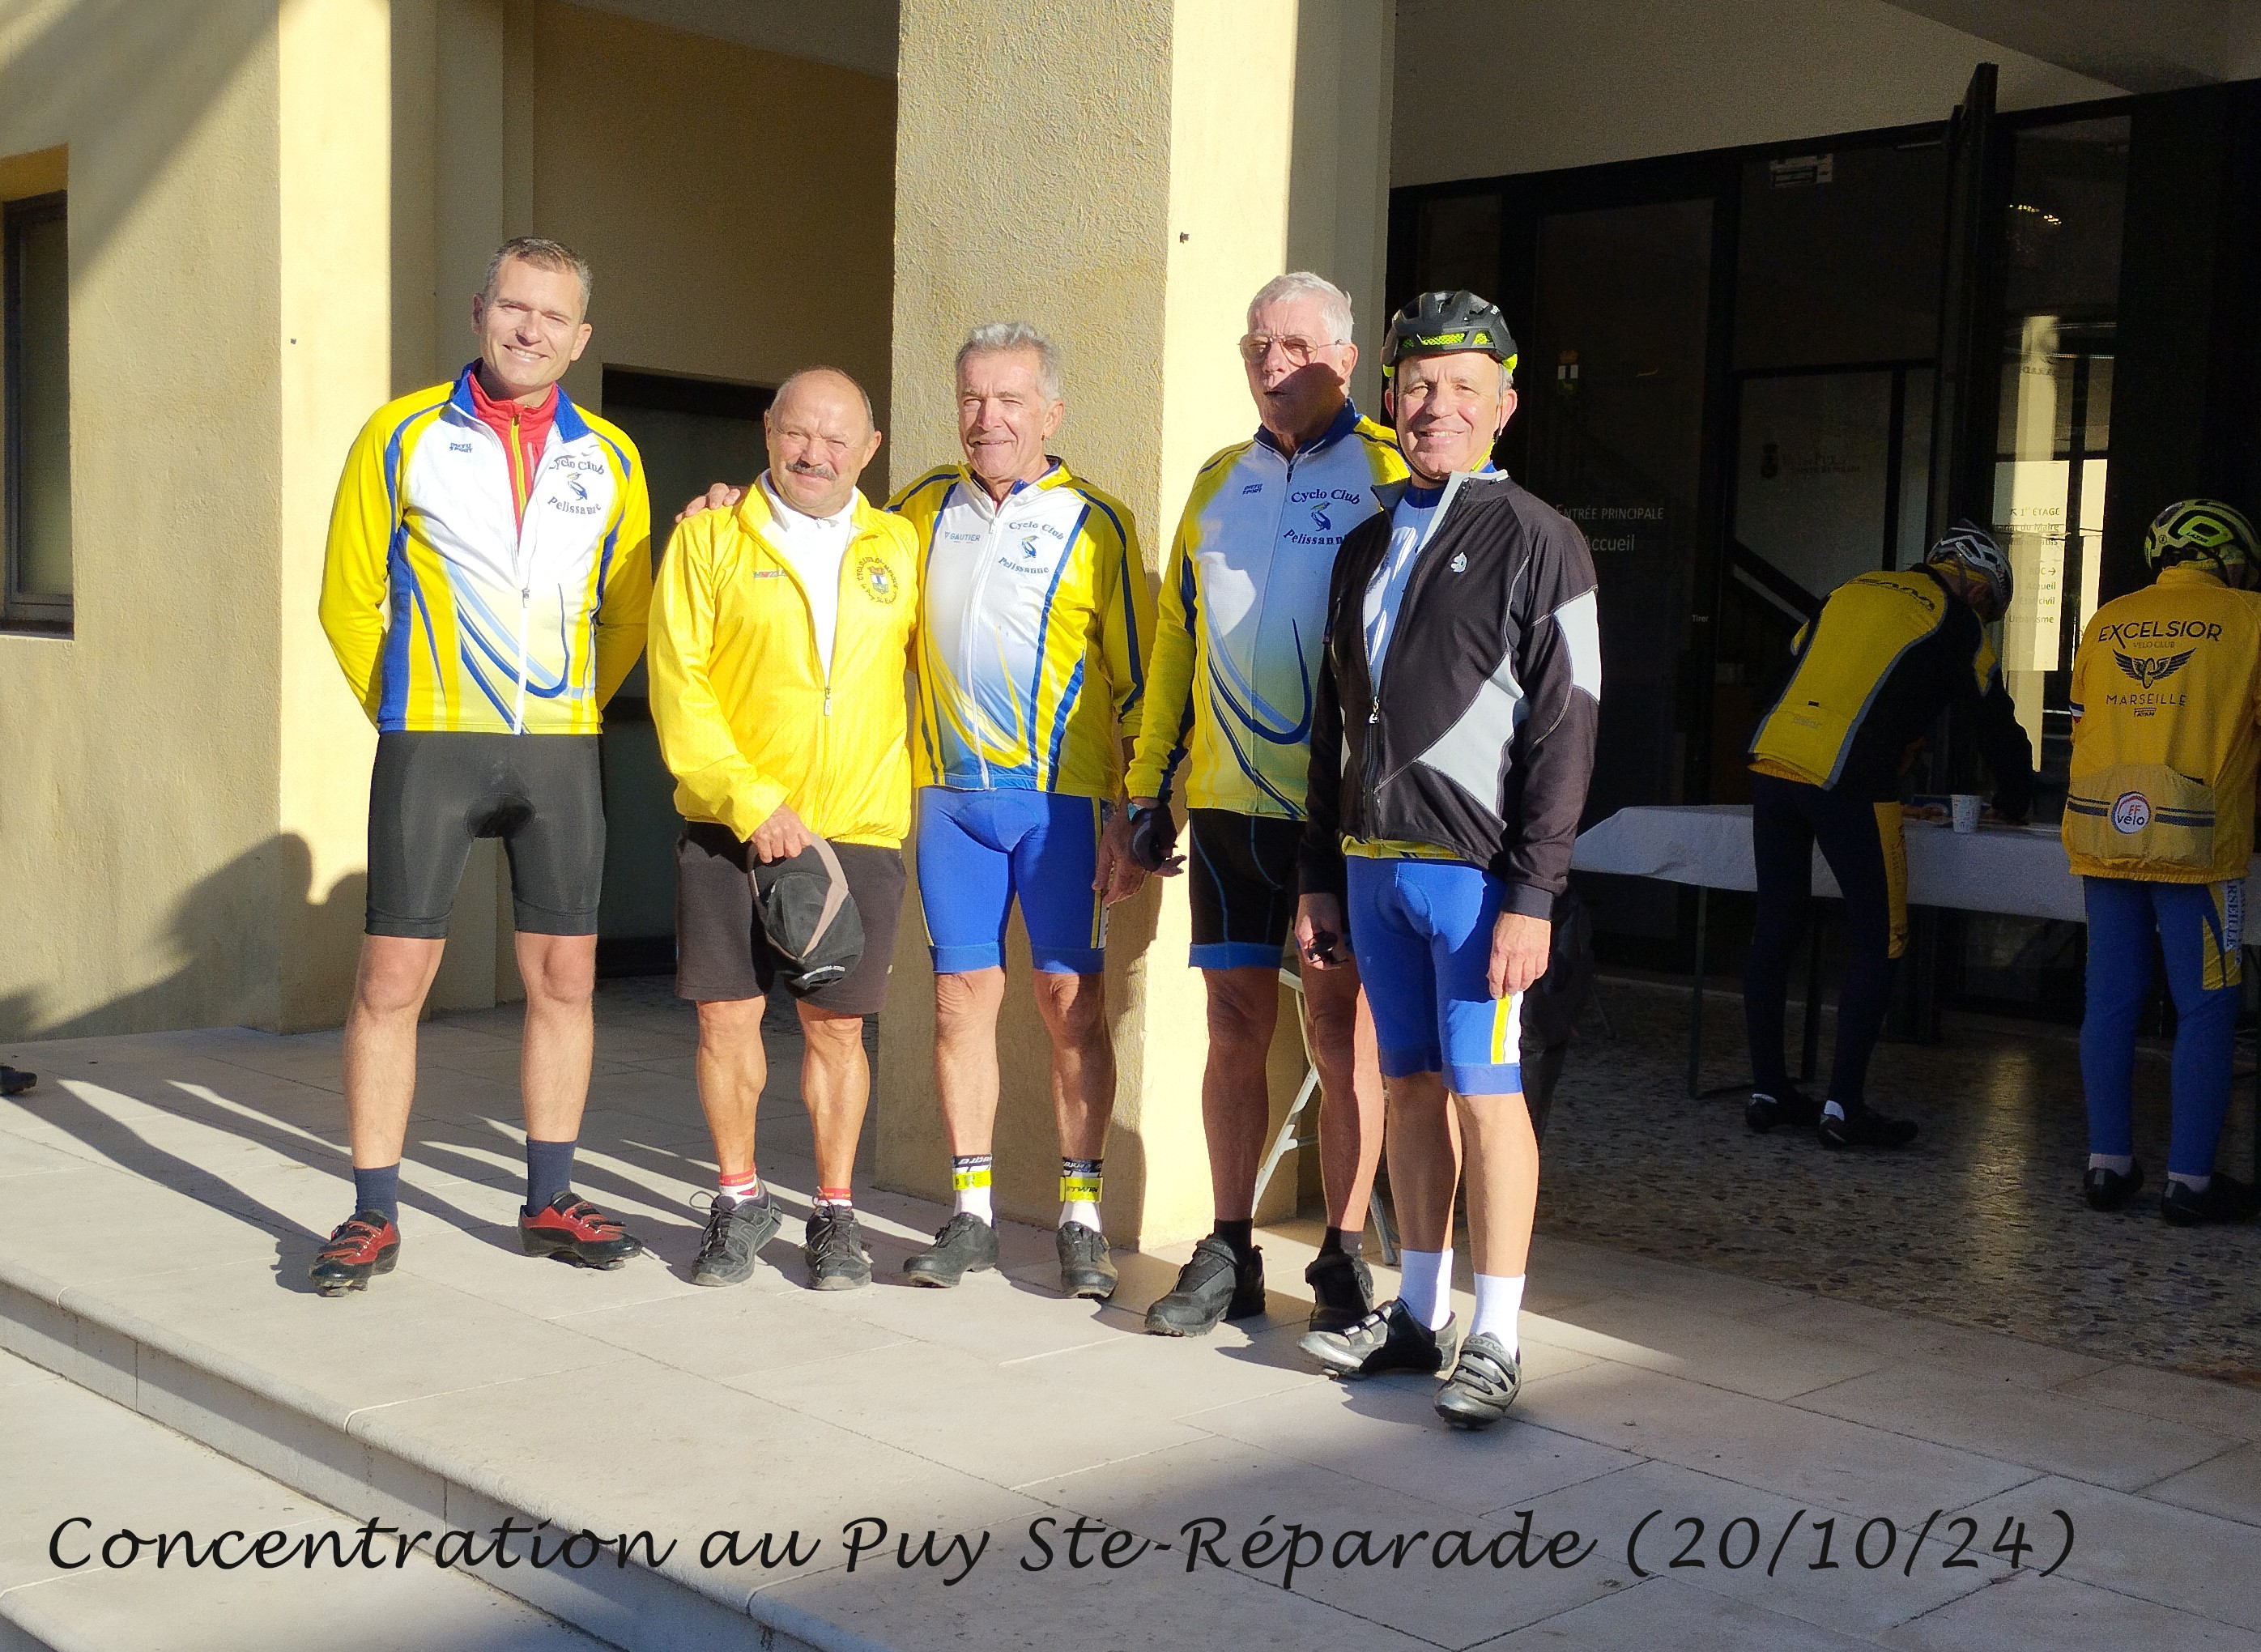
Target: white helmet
[{"x": 1973, "y": 549}]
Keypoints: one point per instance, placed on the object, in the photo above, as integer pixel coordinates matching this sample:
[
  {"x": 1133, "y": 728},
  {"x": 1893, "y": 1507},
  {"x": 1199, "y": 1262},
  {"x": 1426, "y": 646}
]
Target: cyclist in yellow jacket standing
[
  {"x": 2158, "y": 823},
  {"x": 485, "y": 589},
  {"x": 780, "y": 635}
]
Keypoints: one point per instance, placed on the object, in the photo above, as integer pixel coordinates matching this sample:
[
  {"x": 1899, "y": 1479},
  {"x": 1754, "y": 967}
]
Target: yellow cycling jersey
[
  {"x": 1033, "y": 617},
  {"x": 2166, "y": 734},
  {"x": 446, "y": 610},
  {"x": 1231, "y": 680},
  {"x": 748, "y": 715}
]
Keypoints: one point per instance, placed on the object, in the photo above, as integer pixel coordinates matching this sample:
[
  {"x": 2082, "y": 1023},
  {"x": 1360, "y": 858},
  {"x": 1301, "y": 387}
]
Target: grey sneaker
[
  {"x": 834, "y": 1251},
  {"x": 1215, "y": 1285},
  {"x": 1086, "y": 1269},
  {"x": 964, "y": 1244},
  {"x": 737, "y": 1230},
  {"x": 1387, "y": 1340},
  {"x": 1483, "y": 1385},
  {"x": 1342, "y": 1291}
]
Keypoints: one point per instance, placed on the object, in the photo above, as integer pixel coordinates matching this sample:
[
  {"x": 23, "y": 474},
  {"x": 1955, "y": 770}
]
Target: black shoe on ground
[
  {"x": 1788, "y": 1106},
  {"x": 569, "y": 1227},
  {"x": 1862, "y": 1128},
  {"x": 1215, "y": 1285},
  {"x": 14, "y": 1080},
  {"x": 365, "y": 1243},
  {"x": 834, "y": 1251},
  {"x": 737, "y": 1230},
  {"x": 1483, "y": 1385},
  {"x": 1086, "y": 1268},
  {"x": 2226, "y": 1199},
  {"x": 2108, "y": 1189},
  {"x": 1387, "y": 1340},
  {"x": 1342, "y": 1291},
  {"x": 964, "y": 1244}
]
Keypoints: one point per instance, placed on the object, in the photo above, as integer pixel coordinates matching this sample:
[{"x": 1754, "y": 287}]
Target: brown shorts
[{"x": 720, "y": 948}]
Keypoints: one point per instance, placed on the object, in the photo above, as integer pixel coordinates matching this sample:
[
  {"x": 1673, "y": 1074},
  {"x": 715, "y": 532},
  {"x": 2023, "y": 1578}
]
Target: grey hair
[
  {"x": 1334, "y": 303},
  {"x": 542, "y": 253},
  {"x": 1015, "y": 335},
  {"x": 777, "y": 397}
]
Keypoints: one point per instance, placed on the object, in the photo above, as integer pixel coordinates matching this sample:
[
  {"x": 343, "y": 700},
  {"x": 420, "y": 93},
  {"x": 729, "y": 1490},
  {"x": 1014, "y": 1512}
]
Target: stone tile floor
[{"x": 1761, "y": 1352}]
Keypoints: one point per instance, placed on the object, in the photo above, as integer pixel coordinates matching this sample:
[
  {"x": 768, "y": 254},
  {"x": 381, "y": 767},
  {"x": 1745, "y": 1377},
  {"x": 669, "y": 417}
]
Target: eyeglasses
[{"x": 1256, "y": 346}]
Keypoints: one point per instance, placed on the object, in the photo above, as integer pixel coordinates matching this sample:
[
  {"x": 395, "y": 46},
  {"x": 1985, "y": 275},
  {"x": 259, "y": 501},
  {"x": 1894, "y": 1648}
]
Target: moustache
[{"x": 809, "y": 467}]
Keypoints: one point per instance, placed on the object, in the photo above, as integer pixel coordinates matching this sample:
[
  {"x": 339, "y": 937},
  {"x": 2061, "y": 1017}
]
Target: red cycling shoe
[
  {"x": 366, "y": 1244},
  {"x": 570, "y": 1227}
]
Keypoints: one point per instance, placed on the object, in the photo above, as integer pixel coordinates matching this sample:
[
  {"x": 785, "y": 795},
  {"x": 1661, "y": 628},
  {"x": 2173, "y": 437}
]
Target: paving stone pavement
[{"x": 1830, "y": 1451}]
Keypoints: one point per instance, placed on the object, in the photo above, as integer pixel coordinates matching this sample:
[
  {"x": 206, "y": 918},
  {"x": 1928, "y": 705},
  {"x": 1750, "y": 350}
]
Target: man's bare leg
[
  {"x": 1348, "y": 1059},
  {"x": 1243, "y": 1007},
  {"x": 560, "y": 1040},
  {"x": 390, "y": 987},
  {"x": 1074, "y": 1012},
  {"x": 732, "y": 1068},
  {"x": 836, "y": 1084},
  {"x": 1425, "y": 1172},
  {"x": 1502, "y": 1166},
  {"x": 966, "y": 1006}
]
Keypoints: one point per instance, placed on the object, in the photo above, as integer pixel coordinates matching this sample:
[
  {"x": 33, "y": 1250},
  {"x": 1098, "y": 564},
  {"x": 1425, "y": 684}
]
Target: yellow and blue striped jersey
[
  {"x": 1231, "y": 679},
  {"x": 447, "y": 612},
  {"x": 1033, "y": 616}
]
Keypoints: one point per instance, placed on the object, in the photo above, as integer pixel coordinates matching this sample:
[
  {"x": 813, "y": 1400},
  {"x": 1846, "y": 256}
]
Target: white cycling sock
[
  {"x": 1834, "y": 1109},
  {"x": 2118, "y": 1163},
  {"x": 1426, "y": 1289},
  {"x": 2196, "y": 1184},
  {"x": 969, "y": 1181},
  {"x": 1499, "y": 1301}
]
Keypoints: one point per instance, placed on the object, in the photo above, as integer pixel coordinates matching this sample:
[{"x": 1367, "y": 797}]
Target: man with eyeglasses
[{"x": 1230, "y": 686}]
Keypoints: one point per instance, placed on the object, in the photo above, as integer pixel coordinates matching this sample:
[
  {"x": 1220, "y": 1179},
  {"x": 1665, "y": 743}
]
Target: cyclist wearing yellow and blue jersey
[
  {"x": 485, "y": 589},
  {"x": 1035, "y": 610},
  {"x": 1232, "y": 681}
]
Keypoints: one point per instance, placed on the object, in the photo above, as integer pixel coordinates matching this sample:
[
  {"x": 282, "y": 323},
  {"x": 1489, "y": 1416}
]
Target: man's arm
[
  {"x": 355, "y": 585},
  {"x": 1127, "y": 626},
  {"x": 2001, "y": 738},
  {"x": 1559, "y": 663},
  {"x": 694, "y": 734},
  {"x": 1320, "y": 858},
  {"x": 1165, "y": 716},
  {"x": 624, "y": 602}
]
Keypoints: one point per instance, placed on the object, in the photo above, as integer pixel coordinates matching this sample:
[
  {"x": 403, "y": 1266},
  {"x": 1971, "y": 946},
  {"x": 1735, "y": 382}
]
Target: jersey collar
[
  {"x": 1345, "y": 421},
  {"x": 566, "y": 421},
  {"x": 978, "y": 496}
]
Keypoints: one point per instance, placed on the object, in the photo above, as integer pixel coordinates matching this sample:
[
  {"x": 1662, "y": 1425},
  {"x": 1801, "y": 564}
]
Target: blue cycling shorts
[
  {"x": 1422, "y": 933},
  {"x": 980, "y": 851}
]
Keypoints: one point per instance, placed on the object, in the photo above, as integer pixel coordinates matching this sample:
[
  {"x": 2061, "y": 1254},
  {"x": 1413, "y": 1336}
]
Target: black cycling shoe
[
  {"x": 365, "y": 1243},
  {"x": 964, "y": 1244},
  {"x": 1086, "y": 1268},
  {"x": 1389, "y": 1338},
  {"x": 1862, "y": 1128},
  {"x": 1483, "y": 1385},
  {"x": 834, "y": 1251},
  {"x": 2225, "y": 1199},
  {"x": 1217, "y": 1284},
  {"x": 1791, "y": 1106},
  {"x": 2108, "y": 1189},
  {"x": 737, "y": 1230},
  {"x": 1342, "y": 1291},
  {"x": 15, "y": 1081}
]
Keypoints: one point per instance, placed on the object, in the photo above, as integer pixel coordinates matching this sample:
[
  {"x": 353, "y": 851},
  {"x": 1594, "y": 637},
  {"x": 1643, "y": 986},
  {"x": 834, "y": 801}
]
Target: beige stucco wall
[{"x": 1484, "y": 89}]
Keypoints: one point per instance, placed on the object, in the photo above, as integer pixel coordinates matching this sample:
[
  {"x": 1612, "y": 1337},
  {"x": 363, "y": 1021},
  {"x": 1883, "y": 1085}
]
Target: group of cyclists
[{"x": 490, "y": 581}]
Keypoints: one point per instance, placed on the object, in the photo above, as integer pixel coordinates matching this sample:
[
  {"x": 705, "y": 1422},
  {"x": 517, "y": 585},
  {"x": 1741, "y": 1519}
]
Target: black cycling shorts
[
  {"x": 721, "y": 951},
  {"x": 1243, "y": 871},
  {"x": 431, "y": 793}
]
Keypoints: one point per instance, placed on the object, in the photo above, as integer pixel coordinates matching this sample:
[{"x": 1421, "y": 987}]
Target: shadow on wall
[{"x": 261, "y": 901}]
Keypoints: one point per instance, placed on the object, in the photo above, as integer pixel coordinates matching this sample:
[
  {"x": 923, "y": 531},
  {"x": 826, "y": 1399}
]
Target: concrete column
[{"x": 1124, "y": 174}]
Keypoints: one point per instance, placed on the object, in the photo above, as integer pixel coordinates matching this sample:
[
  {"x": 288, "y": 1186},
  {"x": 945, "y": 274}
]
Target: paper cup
[{"x": 1965, "y": 807}]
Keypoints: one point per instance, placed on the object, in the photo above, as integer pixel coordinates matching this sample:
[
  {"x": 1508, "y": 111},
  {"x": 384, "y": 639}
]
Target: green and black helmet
[
  {"x": 1445, "y": 324},
  {"x": 2201, "y": 530}
]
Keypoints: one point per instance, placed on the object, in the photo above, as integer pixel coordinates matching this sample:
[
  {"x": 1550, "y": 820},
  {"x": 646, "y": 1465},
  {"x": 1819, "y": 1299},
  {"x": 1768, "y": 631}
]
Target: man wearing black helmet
[
  {"x": 1450, "y": 749},
  {"x": 1867, "y": 676},
  {"x": 2158, "y": 823}
]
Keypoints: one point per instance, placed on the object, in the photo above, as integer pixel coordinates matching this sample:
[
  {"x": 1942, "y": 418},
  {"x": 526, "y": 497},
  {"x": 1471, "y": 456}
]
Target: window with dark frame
[{"x": 35, "y": 502}]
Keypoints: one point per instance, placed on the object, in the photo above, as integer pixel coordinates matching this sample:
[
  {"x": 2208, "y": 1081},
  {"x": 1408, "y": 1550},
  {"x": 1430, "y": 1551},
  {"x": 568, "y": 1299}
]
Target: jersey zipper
[{"x": 974, "y": 605}]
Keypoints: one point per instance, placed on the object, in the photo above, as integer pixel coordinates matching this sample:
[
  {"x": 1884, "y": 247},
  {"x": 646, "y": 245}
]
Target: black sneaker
[
  {"x": 1215, "y": 1285},
  {"x": 1483, "y": 1385},
  {"x": 2108, "y": 1189},
  {"x": 1086, "y": 1268},
  {"x": 964, "y": 1244},
  {"x": 1387, "y": 1340},
  {"x": 737, "y": 1230},
  {"x": 1789, "y": 1107},
  {"x": 2226, "y": 1199},
  {"x": 1342, "y": 1291},
  {"x": 834, "y": 1250},
  {"x": 1862, "y": 1128},
  {"x": 15, "y": 1081}
]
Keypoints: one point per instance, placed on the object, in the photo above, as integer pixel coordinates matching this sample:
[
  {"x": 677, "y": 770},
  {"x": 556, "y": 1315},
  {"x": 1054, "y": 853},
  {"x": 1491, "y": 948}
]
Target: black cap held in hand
[{"x": 809, "y": 917}]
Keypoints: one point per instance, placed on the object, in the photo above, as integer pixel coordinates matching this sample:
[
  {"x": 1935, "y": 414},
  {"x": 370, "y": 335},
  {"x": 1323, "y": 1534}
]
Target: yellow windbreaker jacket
[{"x": 747, "y": 718}]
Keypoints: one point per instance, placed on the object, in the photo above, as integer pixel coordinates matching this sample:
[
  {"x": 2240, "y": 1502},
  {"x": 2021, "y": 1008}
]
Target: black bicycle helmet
[
  {"x": 2200, "y": 530},
  {"x": 1445, "y": 324}
]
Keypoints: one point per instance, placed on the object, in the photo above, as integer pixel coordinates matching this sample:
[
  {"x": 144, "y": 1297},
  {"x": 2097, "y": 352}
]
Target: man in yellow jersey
[
  {"x": 779, "y": 640},
  {"x": 2158, "y": 823},
  {"x": 1231, "y": 684},
  {"x": 485, "y": 589},
  {"x": 1869, "y": 676},
  {"x": 1450, "y": 757}
]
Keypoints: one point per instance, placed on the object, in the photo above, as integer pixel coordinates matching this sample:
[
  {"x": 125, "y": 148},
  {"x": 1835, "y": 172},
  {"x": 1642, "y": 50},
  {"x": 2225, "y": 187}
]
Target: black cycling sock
[
  {"x": 378, "y": 1191},
  {"x": 1240, "y": 1235},
  {"x": 548, "y": 1170},
  {"x": 1342, "y": 1241}
]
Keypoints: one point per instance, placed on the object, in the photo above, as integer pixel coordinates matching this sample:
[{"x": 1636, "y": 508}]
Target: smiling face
[
  {"x": 1448, "y": 410},
  {"x": 530, "y": 328},
  {"x": 1004, "y": 418},
  {"x": 820, "y": 438},
  {"x": 1302, "y": 379}
]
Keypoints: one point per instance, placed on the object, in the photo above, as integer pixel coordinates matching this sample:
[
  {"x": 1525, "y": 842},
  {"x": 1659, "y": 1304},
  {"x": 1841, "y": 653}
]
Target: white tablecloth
[{"x": 2013, "y": 869}]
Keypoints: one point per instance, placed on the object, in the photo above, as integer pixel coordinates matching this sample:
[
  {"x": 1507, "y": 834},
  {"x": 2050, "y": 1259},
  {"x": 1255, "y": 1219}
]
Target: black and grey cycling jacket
[{"x": 1480, "y": 738}]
